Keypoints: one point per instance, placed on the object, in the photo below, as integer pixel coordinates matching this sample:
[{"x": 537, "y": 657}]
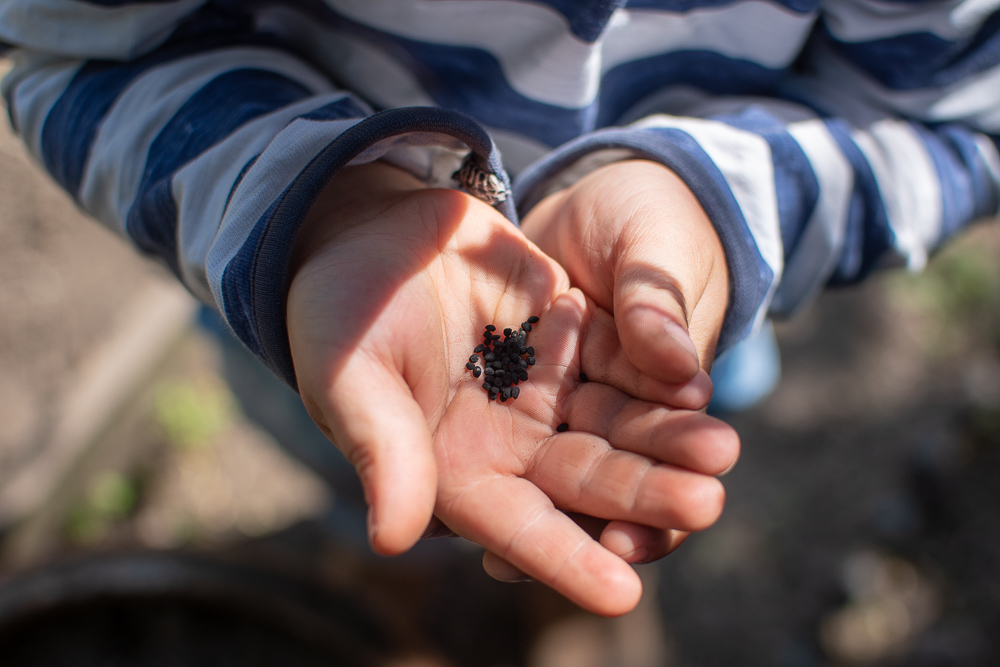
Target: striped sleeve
[
  {"x": 881, "y": 146},
  {"x": 206, "y": 150}
]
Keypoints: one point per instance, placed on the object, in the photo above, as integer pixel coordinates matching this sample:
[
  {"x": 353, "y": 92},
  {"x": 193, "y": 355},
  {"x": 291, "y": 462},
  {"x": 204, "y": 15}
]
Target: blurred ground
[{"x": 862, "y": 526}]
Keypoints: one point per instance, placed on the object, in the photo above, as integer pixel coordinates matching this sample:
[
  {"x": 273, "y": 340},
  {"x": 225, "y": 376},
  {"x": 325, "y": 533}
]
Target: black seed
[
  {"x": 530, "y": 351},
  {"x": 522, "y": 363},
  {"x": 525, "y": 326},
  {"x": 583, "y": 377},
  {"x": 477, "y": 371},
  {"x": 489, "y": 371},
  {"x": 489, "y": 356},
  {"x": 479, "y": 348},
  {"x": 474, "y": 358},
  {"x": 532, "y": 319},
  {"x": 487, "y": 386},
  {"x": 507, "y": 331},
  {"x": 562, "y": 427},
  {"x": 490, "y": 327},
  {"x": 515, "y": 392},
  {"x": 506, "y": 393},
  {"x": 531, "y": 361},
  {"x": 471, "y": 366},
  {"x": 503, "y": 399},
  {"x": 523, "y": 375}
]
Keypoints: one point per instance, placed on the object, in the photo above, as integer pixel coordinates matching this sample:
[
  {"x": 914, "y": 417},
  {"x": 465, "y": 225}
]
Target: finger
[
  {"x": 603, "y": 359},
  {"x": 652, "y": 324},
  {"x": 670, "y": 281},
  {"x": 683, "y": 438},
  {"x": 635, "y": 543},
  {"x": 512, "y": 518},
  {"x": 373, "y": 419},
  {"x": 501, "y": 570},
  {"x": 583, "y": 473}
]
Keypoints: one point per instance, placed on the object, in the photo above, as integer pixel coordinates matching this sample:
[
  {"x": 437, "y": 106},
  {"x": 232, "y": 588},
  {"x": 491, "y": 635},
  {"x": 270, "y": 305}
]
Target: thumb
[
  {"x": 671, "y": 285},
  {"x": 652, "y": 320},
  {"x": 373, "y": 419}
]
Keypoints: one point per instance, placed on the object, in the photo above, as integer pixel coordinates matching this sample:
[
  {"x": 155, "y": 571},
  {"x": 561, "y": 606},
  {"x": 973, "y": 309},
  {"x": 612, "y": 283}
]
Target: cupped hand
[
  {"x": 392, "y": 286},
  {"x": 634, "y": 238}
]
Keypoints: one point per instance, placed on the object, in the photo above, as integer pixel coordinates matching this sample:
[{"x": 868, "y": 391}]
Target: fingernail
[
  {"x": 640, "y": 555},
  {"x": 679, "y": 334}
]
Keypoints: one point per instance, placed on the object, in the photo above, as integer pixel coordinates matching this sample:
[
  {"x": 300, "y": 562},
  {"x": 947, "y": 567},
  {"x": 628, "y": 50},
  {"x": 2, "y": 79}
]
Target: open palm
[{"x": 392, "y": 287}]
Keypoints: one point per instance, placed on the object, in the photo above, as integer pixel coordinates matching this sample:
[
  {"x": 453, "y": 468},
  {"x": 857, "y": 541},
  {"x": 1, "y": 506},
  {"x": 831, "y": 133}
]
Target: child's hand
[
  {"x": 390, "y": 293},
  {"x": 633, "y": 237}
]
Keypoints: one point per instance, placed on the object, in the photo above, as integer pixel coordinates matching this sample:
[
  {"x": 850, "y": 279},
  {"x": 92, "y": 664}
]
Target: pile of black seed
[{"x": 505, "y": 362}]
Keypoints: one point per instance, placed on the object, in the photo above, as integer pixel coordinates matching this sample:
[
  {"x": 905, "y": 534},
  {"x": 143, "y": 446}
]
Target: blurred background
[{"x": 862, "y": 525}]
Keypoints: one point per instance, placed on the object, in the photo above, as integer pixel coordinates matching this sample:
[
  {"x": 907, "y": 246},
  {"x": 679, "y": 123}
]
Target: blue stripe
[
  {"x": 238, "y": 284},
  {"x": 795, "y": 183},
  {"x": 587, "y": 19},
  {"x": 254, "y": 282},
  {"x": 868, "y": 235},
  {"x": 912, "y": 2},
  {"x": 678, "y": 6},
  {"x": 471, "y": 81},
  {"x": 73, "y": 121},
  {"x": 209, "y": 116},
  {"x": 123, "y": 3},
  {"x": 958, "y": 197},
  {"x": 628, "y": 83},
  {"x": 959, "y": 160},
  {"x": 750, "y": 275},
  {"x": 923, "y": 60},
  {"x": 239, "y": 179}
]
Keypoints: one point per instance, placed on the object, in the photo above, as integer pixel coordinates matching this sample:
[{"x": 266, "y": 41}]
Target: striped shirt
[{"x": 824, "y": 138}]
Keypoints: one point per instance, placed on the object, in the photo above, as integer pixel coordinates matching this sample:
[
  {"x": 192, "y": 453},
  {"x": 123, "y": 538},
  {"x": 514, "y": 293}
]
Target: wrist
[{"x": 354, "y": 195}]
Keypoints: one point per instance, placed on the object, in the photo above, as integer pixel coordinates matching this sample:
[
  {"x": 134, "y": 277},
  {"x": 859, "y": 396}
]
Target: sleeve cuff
[{"x": 250, "y": 282}]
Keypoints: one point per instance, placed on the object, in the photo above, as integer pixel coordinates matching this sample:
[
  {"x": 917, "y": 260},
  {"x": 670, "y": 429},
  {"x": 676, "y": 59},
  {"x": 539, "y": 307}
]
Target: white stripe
[
  {"x": 518, "y": 151},
  {"x": 361, "y": 67},
  {"x": 908, "y": 183},
  {"x": 822, "y": 239},
  {"x": 83, "y": 30},
  {"x": 862, "y": 20},
  {"x": 744, "y": 158},
  {"x": 200, "y": 208},
  {"x": 121, "y": 147},
  {"x": 36, "y": 83},
  {"x": 294, "y": 148},
  {"x": 543, "y": 60},
  {"x": 764, "y": 33},
  {"x": 839, "y": 87},
  {"x": 264, "y": 182}
]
